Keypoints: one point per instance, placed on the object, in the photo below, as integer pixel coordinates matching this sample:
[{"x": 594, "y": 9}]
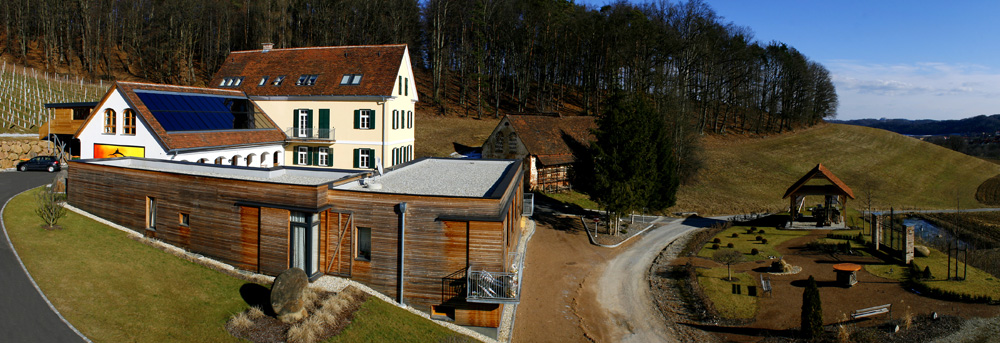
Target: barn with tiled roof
[{"x": 549, "y": 144}]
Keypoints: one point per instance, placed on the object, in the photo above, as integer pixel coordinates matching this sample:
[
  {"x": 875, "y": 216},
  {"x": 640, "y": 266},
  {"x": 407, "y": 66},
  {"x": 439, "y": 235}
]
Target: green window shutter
[
  {"x": 400, "y": 85},
  {"x": 324, "y": 123},
  {"x": 295, "y": 155},
  {"x": 357, "y": 158},
  {"x": 295, "y": 123},
  {"x": 371, "y": 120},
  {"x": 329, "y": 157},
  {"x": 371, "y": 158},
  {"x": 357, "y": 121},
  {"x": 313, "y": 156},
  {"x": 309, "y": 123},
  {"x": 407, "y": 89}
]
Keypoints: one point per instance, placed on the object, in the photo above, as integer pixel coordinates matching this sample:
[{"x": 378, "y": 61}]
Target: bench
[
  {"x": 871, "y": 311},
  {"x": 765, "y": 285}
]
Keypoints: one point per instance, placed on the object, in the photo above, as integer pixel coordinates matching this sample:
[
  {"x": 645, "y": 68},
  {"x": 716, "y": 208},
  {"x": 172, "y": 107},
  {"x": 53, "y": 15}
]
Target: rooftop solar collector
[{"x": 194, "y": 112}]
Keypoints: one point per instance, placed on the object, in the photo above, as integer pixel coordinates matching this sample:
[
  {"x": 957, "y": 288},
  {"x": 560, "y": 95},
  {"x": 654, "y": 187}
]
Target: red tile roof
[
  {"x": 820, "y": 171},
  {"x": 378, "y": 65},
  {"x": 550, "y": 137},
  {"x": 188, "y": 140}
]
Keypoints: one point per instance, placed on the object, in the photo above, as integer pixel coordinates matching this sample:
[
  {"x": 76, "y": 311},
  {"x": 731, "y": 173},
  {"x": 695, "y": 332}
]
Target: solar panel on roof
[{"x": 196, "y": 112}]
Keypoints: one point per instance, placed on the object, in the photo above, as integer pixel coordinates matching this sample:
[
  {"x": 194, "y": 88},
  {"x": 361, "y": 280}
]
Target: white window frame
[
  {"x": 303, "y": 119},
  {"x": 364, "y": 159},
  {"x": 365, "y": 120},
  {"x": 302, "y": 155},
  {"x": 322, "y": 156}
]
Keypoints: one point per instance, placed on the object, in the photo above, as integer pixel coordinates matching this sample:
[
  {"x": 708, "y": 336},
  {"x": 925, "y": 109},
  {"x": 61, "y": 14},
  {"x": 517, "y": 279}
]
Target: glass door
[{"x": 305, "y": 242}]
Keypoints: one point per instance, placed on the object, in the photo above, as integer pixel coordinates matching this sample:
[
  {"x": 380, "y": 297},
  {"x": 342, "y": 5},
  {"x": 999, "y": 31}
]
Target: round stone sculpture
[
  {"x": 921, "y": 251},
  {"x": 286, "y": 295}
]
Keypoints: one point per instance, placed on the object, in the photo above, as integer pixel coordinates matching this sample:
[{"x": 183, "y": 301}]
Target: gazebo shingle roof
[{"x": 820, "y": 171}]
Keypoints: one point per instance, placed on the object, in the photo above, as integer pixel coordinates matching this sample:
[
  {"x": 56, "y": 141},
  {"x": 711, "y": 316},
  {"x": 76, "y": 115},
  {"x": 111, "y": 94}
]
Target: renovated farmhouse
[{"x": 340, "y": 107}]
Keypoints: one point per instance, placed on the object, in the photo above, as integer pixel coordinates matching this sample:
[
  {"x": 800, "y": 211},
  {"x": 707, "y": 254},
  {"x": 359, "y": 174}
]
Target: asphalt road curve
[{"x": 25, "y": 316}]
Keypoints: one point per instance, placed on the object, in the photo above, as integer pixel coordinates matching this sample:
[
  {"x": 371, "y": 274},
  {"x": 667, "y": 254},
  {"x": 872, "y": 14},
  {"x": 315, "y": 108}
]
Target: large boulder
[
  {"x": 921, "y": 251},
  {"x": 286, "y": 295}
]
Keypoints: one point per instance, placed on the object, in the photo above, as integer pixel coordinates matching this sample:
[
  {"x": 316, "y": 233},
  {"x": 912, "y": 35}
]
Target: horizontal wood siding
[
  {"x": 487, "y": 315},
  {"x": 216, "y": 225}
]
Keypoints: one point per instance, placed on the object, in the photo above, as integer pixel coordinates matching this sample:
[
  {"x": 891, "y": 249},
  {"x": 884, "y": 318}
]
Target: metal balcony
[
  {"x": 495, "y": 287},
  {"x": 306, "y": 134}
]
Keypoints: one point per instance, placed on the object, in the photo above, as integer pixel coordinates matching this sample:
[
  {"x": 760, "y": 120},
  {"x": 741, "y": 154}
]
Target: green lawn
[
  {"x": 114, "y": 289},
  {"x": 574, "y": 198},
  {"x": 371, "y": 324},
  {"x": 745, "y": 242},
  {"x": 978, "y": 282},
  {"x": 719, "y": 291}
]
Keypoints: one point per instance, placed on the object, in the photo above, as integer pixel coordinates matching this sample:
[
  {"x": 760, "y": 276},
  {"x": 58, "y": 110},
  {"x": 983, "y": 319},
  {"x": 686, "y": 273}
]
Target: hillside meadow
[{"x": 743, "y": 174}]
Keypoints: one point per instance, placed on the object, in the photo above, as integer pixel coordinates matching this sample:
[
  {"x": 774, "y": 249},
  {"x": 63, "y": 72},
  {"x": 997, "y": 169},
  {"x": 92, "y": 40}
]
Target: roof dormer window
[
  {"x": 306, "y": 80},
  {"x": 277, "y": 80},
  {"x": 351, "y": 79}
]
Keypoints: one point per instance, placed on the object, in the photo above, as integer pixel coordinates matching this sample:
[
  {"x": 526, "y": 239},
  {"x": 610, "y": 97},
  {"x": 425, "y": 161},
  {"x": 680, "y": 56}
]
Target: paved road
[
  {"x": 24, "y": 314},
  {"x": 623, "y": 289}
]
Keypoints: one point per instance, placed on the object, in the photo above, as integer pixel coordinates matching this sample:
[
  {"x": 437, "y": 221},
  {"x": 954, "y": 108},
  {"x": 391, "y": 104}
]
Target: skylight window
[
  {"x": 263, "y": 81},
  {"x": 277, "y": 80},
  {"x": 306, "y": 80},
  {"x": 351, "y": 79},
  {"x": 231, "y": 81}
]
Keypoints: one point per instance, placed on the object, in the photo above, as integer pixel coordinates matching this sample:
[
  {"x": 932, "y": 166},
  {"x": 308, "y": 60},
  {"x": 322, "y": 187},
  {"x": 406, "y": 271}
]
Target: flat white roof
[
  {"x": 440, "y": 176},
  {"x": 274, "y": 175}
]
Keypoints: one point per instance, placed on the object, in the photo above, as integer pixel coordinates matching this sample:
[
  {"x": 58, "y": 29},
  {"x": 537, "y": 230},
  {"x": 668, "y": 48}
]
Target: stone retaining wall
[{"x": 13, "y": 150}]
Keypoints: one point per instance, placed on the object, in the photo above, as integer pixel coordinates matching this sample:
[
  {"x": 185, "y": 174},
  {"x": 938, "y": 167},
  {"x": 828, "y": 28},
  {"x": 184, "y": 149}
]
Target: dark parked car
[{"x": 49, "y": 163}]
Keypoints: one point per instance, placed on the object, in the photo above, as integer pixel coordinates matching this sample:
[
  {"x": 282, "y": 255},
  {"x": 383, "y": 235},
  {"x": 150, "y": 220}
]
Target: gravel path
[{"x": 623, "y": 291}]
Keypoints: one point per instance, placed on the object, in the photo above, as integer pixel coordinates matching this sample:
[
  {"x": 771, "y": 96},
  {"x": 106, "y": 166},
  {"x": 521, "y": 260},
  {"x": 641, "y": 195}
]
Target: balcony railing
[
  {"x": 310, "y": 134},
  {"x": 495, "y": 287}
]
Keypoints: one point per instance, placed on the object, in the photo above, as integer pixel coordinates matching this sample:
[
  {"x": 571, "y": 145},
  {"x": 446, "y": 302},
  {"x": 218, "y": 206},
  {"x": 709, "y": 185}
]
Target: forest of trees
[{"x": 486, "y": 56}]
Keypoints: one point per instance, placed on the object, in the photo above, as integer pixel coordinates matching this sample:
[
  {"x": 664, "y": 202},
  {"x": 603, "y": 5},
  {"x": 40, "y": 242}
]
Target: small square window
[
  {"x": 364, "y": 244},
  {"x": 277, "y": 80},
  {"x": 184, "y": 219},
  {"x": 263, "y": 81},
  {"x": 312, "y": 80},
  {"x": 351, "y": 79}
]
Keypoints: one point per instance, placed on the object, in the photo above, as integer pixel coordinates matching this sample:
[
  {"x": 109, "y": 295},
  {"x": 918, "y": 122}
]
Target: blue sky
[{"x": 892, "y": 59}]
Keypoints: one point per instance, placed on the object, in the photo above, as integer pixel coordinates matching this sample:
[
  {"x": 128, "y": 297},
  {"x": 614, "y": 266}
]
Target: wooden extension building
[{"x": 436, "y": 234}]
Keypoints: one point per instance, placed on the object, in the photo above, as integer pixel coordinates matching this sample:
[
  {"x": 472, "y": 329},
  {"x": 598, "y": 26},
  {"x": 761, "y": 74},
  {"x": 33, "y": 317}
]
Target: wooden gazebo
[{"x": 836, "y": 192}]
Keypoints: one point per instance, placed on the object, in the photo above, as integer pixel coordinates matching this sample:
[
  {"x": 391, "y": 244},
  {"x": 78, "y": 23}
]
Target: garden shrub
[
  {"x": 715, "y": 246},
  {"x": 730, "y": 245},
  {"x": 760, "y": 232},
  {"x": 716, "y": 240},
  {"x": 760, "y": 238},
  {"x": 754, "y": 251},
  {"x": 763, "y": 241},
  {"x": 736, "y": 235},
  {"x": 927, "y": 272}
]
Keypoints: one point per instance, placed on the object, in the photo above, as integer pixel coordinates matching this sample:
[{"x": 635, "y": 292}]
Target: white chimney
[{"x": 267, "y": 47}]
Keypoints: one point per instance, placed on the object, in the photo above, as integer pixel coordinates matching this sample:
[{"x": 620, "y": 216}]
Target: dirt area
[
  {"x": 559, "y": 259},
  {"x": 779, "y": 313}
]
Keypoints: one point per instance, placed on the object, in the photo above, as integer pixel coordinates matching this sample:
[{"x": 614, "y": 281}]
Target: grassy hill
[{"x": 751, "y": 174}]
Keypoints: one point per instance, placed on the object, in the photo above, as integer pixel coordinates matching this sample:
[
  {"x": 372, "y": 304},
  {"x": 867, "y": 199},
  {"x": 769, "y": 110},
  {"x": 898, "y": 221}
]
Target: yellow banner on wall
[{"x": 112, "y": 151}]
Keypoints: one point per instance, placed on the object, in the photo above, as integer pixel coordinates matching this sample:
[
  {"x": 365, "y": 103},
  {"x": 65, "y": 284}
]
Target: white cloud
[{"x": 929, "y": 90}]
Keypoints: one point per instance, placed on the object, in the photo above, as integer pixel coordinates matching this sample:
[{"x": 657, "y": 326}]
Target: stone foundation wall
[{"x": 12, "y": 150}]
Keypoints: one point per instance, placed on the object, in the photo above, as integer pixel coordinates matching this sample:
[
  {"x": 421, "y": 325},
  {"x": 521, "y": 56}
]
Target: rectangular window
[
  {"x": 277, "y": 80},
  {"x": 401, "y": 85},
  {"x": 324, "y": 157},
  {"x": 350, "y": 79},
  {"x": 302, "y": 155},
  {"x": 184, "y": 219},
  {"x": 365, "y": 120},
  {"x": 406, "y": 88},
  {"x": 364, "y": 158},
  {"x": 303, "y": 124},
  {"x": 151, "y": 213},
  {"x": 364, "y": 245},
  {"x": 263, "y": 81},
  {"x": 409, "y": 120},
  {"x": 395, "y": 119},
  {"x": 305, "y": 241},
  {"x": 80, "y": 113}
]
